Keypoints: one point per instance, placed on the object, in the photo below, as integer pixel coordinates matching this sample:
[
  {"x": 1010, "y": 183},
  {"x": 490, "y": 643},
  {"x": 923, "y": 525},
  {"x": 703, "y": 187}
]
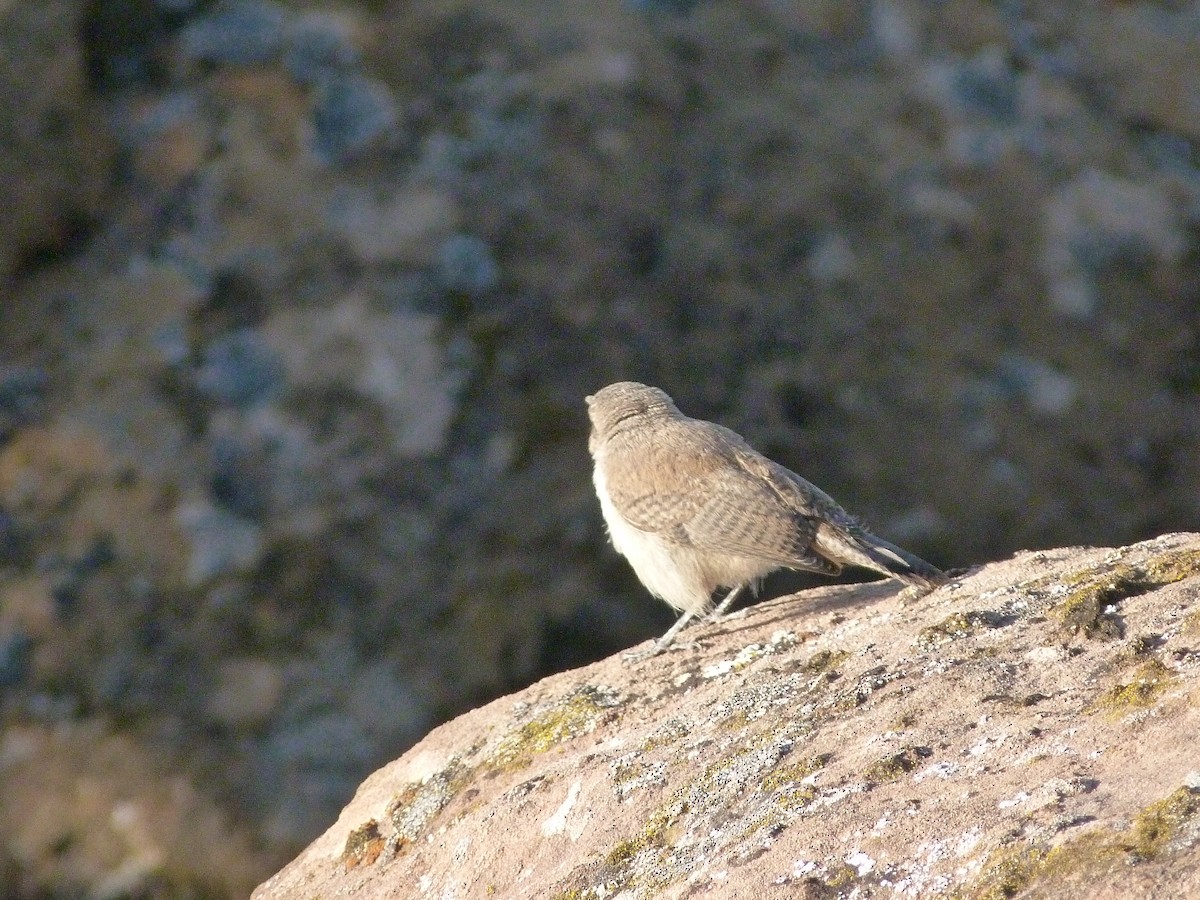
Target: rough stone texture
[
  {"x": 299, "y": 302},
  {"x": 1028, "y": 729}
]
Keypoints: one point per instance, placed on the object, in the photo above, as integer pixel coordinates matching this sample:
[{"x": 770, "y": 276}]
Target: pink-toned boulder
[{"x": 1030, "y": 728}]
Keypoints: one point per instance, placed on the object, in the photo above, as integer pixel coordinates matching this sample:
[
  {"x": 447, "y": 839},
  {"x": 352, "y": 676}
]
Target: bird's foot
[
  {"x": 631, "y": 656},
  {"x": 640, "y": 653},
  {"x": 716, "y": 616}
]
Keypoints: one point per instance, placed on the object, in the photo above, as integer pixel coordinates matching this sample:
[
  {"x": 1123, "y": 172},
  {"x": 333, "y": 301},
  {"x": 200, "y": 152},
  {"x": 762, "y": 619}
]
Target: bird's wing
[
  {"x": 650, "y": 488},
  {"x": 699, "y": 491},
  {"x": 837, "y": 536},
  {"x": 804, "y": 498},
  {"x": 742, "y": 516},
  {"x": 656, "y": 512}
]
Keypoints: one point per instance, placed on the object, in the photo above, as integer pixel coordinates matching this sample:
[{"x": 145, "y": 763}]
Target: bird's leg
[
  {"x": 667, "y": 639},
  {"x": 719, "y": 613},
  {"x": 663, "y": 642}
]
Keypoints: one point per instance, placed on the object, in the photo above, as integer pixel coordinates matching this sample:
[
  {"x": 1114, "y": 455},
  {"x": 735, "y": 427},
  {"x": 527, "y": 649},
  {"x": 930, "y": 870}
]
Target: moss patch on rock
[
  {"x": 1092, "y": 595},
  {"x": 897, "y": 764},
  {"x": 1150, "y": 680},
  {"x": 959, "y": 625},
  {"x": 573, "y": 715},
  {"x": 1014, "y": 870}
]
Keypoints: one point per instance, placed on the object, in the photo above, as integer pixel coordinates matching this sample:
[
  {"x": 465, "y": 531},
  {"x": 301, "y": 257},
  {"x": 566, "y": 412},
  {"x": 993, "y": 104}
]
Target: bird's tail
[{"x": 856, "y": 546}]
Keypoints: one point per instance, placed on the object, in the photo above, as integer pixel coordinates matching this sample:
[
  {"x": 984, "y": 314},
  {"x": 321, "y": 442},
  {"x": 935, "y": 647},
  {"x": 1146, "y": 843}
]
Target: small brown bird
[{"x": 693, "y": 507}]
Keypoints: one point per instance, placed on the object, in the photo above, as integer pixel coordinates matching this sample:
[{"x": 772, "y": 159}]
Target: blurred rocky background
[{"x": 299, "y": 302}]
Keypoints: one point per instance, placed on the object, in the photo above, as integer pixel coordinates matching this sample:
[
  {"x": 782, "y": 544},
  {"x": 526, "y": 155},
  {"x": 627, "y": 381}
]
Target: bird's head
[{"x": 624, "y": 403}]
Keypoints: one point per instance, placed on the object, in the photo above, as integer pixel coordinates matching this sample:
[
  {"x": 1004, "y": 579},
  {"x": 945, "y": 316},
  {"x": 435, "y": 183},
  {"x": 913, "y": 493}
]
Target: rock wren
[{"x": 693, "y": 507}]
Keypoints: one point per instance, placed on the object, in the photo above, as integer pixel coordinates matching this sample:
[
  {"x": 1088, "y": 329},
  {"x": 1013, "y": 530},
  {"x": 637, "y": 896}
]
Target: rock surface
[{"x": 1027, "y": 729}]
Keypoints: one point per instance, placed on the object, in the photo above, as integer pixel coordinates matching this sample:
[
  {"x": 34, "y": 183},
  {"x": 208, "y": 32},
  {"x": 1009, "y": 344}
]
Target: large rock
[{"x": 1029, "y": 727}]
